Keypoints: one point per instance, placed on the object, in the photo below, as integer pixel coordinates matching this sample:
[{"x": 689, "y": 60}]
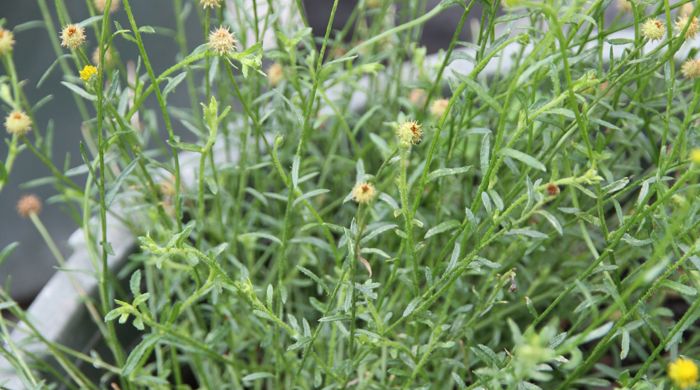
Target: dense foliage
[{"x": 517, "y": 211}]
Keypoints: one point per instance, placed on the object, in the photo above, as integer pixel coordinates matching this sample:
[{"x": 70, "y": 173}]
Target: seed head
[
  {"x": 552, "y": 189},
  {"x": 72, "y": 36},
  {"x": 363, "y": 193},
  {"x": 18, "y": 123},
  {"x": 624, "y": 5},
  {"x": 373, "y": 3},
  {"x": 695, "y": 156},
  {"x": 222, "y": 41},
  {"x": 417, "y": 97},
  {"x": 88, "y": 73},
  {"x": 438, "y": 108},
  {"x": 275, "y": 74},
  {"x": 683, "y": 372},
  {"x": 210, "y": 3},
  {"x": 409, "y": 133},
  {"x": 101, "y": 4},
  {"x": 653, "y": 29},
  {"x": 691, "y": 69},
  {"x": 692, "y": 31},
  {"x": 7, "y": 41},
  {"x": 28, "y": 205}
]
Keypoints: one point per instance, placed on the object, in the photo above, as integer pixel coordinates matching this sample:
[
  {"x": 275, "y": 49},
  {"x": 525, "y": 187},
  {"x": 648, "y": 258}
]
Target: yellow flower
[
  {"x": 683, "y": 372},
  {"x": 363, "y": 193},
  {"x": 692, "y": 31},
  {"x": 7, "y": 41},
  {"x": 18, "y": 123},
  {"x": 222, "y": 41},
  {"x": 72, "y": 36},
  {"x": 691, "y": 69},
  {"x": 653, "y": 29},
  {"x": 88, "y": 72},
  {"x": 409, "y": 133},
  {"x": 695, "y": 156}
]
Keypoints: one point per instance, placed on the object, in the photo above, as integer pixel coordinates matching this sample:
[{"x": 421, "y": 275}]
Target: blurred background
[{"x": 31, "y": 264}]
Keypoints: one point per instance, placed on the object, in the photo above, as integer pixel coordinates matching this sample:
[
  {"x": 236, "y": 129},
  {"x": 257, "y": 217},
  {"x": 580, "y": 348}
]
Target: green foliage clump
[{"x": 517, "y": 211}]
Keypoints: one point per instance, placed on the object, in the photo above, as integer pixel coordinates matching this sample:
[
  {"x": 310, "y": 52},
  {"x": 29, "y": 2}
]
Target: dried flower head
[
  {"x": 363, "y": 193},
  {"x": 417, "y": 97},
  {"x": 695, "y": 156},
  {"x": 438, "y": 108},
  {"x": 275, "y": 74},
  {"x": 373, "y": 3},
  {"x": 18, "y": 123},
  {"x": 691, "y": 69},
  {"x": 338, "y": 52},
  {"x": 210, "y": 3},
  {"x": 692, "y": 24},
  {"x": 28, "y": 205},
  {"x": 7, "y": 41},
  {"x": 624, "y": 5},
  {"x": 653, "y": 29},
  {"x": 552, "y": 189},
  {"x": 683, "y": 372},
  {"x": 102, "y": 4},
  {"x": 88, "y": 73},
  {"x": 72, "y": 36},
  {"x": 409, "y": 133},
  {"x": 109, "y": 57},
  {"x": 222, "y": 41}
]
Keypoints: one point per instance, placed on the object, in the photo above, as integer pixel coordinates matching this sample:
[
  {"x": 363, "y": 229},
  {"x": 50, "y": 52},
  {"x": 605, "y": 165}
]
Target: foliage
[{"x": 539, "y": 230}]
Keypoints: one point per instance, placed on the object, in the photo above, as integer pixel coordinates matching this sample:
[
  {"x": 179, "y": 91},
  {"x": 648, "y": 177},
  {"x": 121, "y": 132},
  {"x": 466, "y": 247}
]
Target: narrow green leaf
[
  {"x": 257, "y": 376},
  {"x": 79, "y": 91},
  {"x": 139, "y": 354},
  {"x": 109, "y": 198},
  {"x": 438, "y": 173},
  {"x": 524, "y": 158},
  {"x": 442, "y": 227},
  {"x": 135, "y": 283},
  {"x": 6, "y": 251}
]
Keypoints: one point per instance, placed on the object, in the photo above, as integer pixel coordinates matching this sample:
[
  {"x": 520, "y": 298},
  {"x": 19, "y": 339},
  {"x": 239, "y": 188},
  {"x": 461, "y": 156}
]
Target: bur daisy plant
[
  {"x": 28, "y": 205},
  {"x": 222, "y": 41},
  {"x": 409, "y": 133},
  {"x": 7, "y": 41},
  {"x": 285, "y": 195},
  {"x": 691, "y": 69},
  {"x": 653, "y": 29},
  {"x": 17, "y": 122},
  {"x": 363, "y": 193},
  {"x": 72, "y": 36}
]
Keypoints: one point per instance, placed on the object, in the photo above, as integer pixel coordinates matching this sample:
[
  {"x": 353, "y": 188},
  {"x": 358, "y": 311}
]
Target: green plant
[{"x": 536, "y": 229}]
